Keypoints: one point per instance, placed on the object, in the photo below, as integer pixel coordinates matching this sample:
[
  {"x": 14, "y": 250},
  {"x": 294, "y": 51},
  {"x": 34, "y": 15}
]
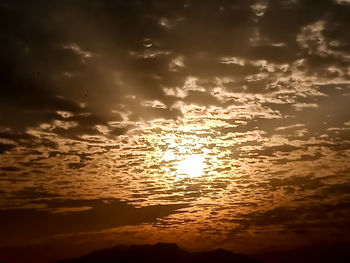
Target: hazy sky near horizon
[{"x": 205, "y": 123}]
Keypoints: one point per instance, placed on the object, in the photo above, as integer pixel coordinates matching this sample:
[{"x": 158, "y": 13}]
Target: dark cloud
[
  {"x": 60, "y": 217},
  {"x": 312, "y": 217},
  {"x": 32, "y": 193},
  {"x": 5, "y": 147},
  {"x": 303, "y": 182},
  {"x": 9, "y": 169},
  {"x": 74, "y": 52}
]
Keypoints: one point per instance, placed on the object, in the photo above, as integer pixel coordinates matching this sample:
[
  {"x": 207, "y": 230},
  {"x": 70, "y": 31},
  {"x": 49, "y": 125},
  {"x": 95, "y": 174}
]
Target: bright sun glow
[{"x": 191, "y": 166}]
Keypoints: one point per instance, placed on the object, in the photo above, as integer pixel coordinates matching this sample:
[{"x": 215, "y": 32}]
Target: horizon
[{"x": 209, "y": 124}]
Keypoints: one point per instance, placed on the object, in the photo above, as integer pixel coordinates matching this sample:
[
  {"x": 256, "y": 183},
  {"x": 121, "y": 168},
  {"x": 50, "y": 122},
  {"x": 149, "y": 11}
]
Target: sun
[{"x": 191, "y": 166}]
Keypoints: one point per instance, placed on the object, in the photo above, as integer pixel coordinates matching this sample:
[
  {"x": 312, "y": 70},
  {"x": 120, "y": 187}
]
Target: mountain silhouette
[{"x": 160, "y": 252}]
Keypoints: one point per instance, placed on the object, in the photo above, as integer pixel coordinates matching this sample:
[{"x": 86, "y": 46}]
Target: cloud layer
[{"x": 105, "y": 100}]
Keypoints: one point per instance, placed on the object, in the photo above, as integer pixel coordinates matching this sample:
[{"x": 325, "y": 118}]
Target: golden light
[{"x": 191, "y": 166}]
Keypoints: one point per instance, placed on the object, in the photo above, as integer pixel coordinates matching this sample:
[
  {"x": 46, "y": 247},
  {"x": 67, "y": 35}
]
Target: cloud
[
  {"x": 89, "y": 110},
  {"x": 4, "y": 147},
  {"x": 63, "y": 217}
]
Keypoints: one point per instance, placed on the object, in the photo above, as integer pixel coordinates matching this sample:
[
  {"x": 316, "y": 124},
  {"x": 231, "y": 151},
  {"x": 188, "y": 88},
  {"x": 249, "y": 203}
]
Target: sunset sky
[{"x": 205, "y": 123}]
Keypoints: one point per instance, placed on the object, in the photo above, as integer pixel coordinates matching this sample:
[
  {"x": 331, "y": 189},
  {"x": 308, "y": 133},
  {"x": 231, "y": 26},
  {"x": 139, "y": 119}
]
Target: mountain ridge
[{"x": 159, "y": 252}]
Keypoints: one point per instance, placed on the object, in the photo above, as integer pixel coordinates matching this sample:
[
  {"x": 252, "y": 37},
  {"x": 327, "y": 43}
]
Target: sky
[{"x": 205, "y": 123}]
